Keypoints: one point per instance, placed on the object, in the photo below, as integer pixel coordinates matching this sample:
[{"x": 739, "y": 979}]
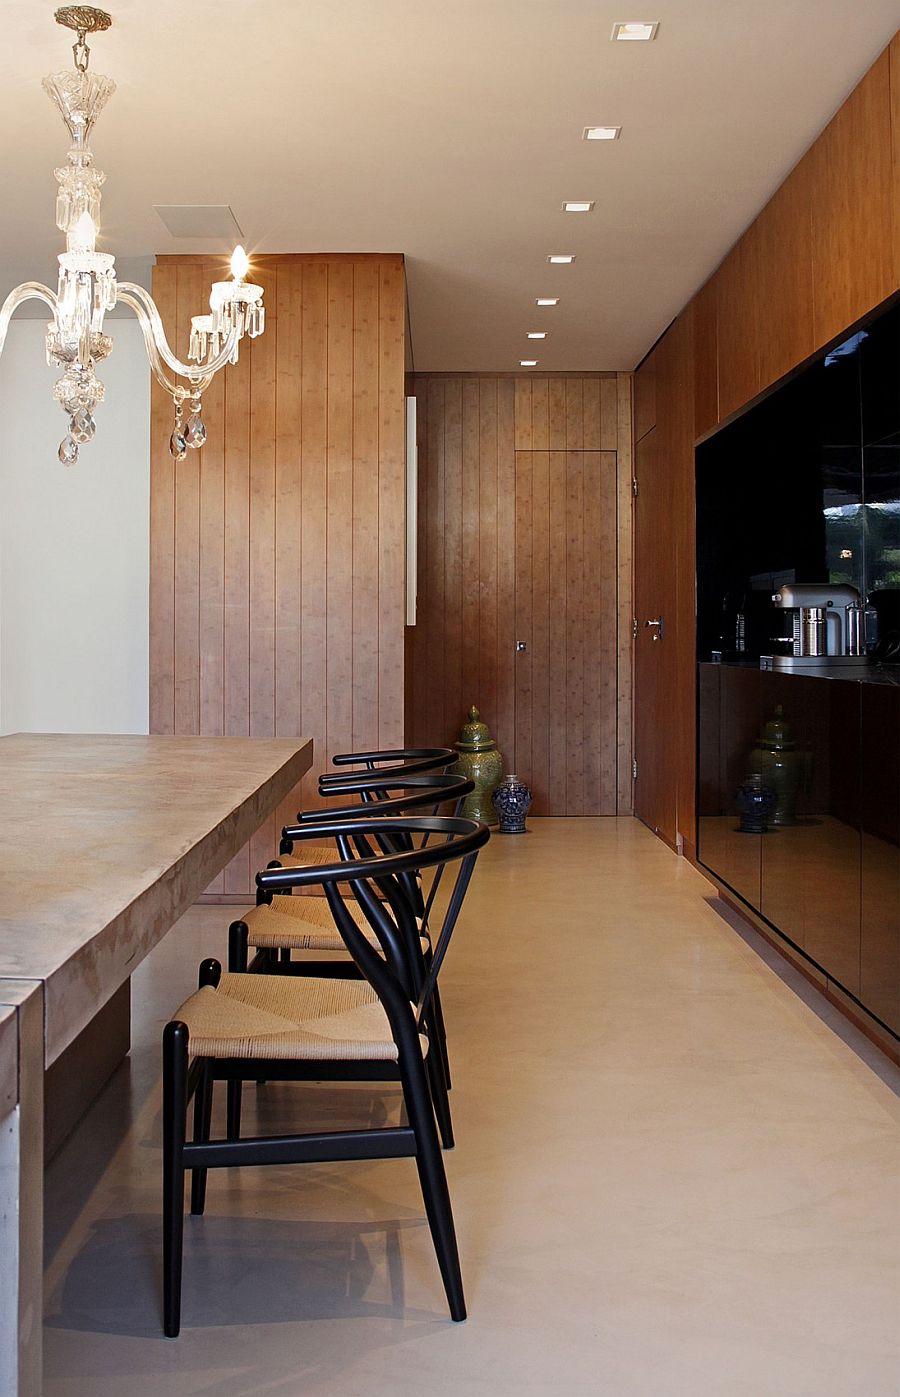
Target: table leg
[{"x": 22, "y": 1200}]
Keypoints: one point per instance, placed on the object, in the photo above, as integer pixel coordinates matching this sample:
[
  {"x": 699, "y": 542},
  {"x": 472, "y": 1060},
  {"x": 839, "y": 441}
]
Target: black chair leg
[
  {"x": 433, "y": 1180},
  {"x": 436, "y": 1014},
  {"x": 233, "y": 1109},
  {"x": 238, "y": 955},
  {"x": 203, "y": 1102},
  {"x": 175, "y": 1072},
  {"x": 439, "y": 1096}
]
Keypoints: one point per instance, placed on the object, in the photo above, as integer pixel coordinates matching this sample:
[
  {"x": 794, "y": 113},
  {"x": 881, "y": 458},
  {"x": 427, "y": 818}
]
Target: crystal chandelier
[{"x": 88, "y": 288}]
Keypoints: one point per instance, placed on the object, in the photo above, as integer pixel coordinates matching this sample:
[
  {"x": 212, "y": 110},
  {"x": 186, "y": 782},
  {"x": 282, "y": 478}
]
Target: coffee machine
[{"x": 827, "y": 627}]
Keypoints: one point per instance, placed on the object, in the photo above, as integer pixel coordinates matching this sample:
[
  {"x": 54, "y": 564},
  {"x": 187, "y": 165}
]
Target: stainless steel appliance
[{"x": 827, "y": 626}]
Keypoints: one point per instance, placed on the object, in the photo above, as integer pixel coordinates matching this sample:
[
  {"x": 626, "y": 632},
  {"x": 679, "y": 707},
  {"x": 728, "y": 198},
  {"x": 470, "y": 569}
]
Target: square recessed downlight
[
  {"x": 577, "y": 205},
  {"x": 601, "y": 133},
  {"x": 630, "y": 30},
  {"x": 547, "y": 301},
  {"x": 561, "y": 259},
  {"x": 537, "y": 334},
  {"x": 528, "y": 363}
]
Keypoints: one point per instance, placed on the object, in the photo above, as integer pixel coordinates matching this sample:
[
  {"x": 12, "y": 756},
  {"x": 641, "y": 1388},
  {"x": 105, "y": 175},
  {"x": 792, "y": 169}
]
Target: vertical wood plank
[
  {"x": 486, "y": 696},
  {"x": 471, "y": 627},
  {"x": 557, "y": 586},
  {"x": 288, "y": 596},
  {"x": 608, "y": 418},
  {"x": 162, "y": 529},
  {"x": 557, "y": 414},
  {"x": 541, "y": 660},
  {"x": 436, "y": 619},
  {"x": 596, "y": 675},
  {"x": 344, "y": 503},
  {"x": 523, "y": 391},
  {"x": 391, "y": 501},
  {"x": 576, "y": 641},
  {"x": 237, "y": 578},
  {"x": 453, "y": 685},
  {"x": 592, "y": 417},
  {"x": 313, "y": 522},
  {"x": 262, "y": 352},
  {"x": 506, "y": 573},
  {"x": 624, "y": 469},
  {"x": 574, "y": 414},
  {"x": 540, "y": 414},
  {"x": 608, "y": 684},
  {"x": 189, "y": 299},
  {"x": 524, "y": 622},
  {"x": 358, "y": 488}
]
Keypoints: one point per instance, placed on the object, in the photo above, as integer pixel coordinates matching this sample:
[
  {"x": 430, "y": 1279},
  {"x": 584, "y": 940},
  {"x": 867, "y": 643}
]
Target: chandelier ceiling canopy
[{"x": 87, "y": 286}]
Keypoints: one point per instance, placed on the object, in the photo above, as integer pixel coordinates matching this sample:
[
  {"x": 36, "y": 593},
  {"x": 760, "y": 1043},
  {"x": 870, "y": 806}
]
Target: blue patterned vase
[{"x": 511, "y": 800}]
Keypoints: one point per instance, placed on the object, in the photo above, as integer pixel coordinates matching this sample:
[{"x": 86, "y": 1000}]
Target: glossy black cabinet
[{"x": 826, "y": 872}]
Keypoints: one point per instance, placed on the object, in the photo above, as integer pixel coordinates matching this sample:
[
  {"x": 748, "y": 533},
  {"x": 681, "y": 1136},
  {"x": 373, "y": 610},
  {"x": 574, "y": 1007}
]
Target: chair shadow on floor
[{"x": 239, "y": 1270}]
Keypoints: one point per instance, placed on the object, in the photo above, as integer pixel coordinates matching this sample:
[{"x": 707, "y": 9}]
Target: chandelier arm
[
  {"x": 28, "y": 291},
  {"x": 174, "y": 389},
  {"x": 199, "y": 375}
]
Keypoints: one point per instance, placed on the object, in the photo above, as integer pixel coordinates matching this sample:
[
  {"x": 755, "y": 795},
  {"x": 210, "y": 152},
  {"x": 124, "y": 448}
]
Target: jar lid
[
  {"x": 475, "y": 735},
  {"x": 777, "y": 732}
]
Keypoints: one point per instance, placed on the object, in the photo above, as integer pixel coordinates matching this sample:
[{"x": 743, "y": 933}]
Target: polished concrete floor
[{"x": 676, "y": 1173}]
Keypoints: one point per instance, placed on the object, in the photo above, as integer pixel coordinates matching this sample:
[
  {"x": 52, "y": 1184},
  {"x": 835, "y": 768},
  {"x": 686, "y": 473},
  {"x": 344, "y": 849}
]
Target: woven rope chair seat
[
  {"x": 285, "y": 925},
  {"x": 282, "y": 1018}
]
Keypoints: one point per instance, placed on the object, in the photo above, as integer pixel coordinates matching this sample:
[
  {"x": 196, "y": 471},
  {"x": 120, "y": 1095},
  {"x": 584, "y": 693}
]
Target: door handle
[{"x": 658, "y": 626}]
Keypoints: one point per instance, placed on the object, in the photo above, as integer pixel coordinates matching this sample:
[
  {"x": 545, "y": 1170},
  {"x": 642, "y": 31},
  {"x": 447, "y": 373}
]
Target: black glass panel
[{"x": 880, "y": 979}]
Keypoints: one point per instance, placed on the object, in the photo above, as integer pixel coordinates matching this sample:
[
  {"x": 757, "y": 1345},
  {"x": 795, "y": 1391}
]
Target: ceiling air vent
[{"x": 208, "y": 221}]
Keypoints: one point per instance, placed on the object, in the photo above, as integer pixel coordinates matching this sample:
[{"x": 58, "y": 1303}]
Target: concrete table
[{"x": 104, "y": 843}]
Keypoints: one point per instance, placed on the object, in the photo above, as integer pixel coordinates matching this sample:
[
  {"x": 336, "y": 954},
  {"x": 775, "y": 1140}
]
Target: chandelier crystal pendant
[{"x": 88, "y": 288}]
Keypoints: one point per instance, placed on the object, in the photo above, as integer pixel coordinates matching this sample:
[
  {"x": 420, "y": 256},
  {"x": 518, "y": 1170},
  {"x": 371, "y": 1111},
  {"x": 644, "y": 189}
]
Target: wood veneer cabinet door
[
  {"x": 738, "y": 323},
  {"x": 853, "y": 193},
  {"x": 645, "y": 397},
  {"x": 654, "y": 653},
  {"x": 565, "y": 678}
]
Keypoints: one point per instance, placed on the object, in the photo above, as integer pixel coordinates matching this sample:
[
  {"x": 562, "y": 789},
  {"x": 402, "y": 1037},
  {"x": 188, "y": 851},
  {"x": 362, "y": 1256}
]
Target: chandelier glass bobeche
[{"x": 88, "y": 288}]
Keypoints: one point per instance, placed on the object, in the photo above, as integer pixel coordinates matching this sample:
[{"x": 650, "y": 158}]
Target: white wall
[{"x": 74, "y": 545}]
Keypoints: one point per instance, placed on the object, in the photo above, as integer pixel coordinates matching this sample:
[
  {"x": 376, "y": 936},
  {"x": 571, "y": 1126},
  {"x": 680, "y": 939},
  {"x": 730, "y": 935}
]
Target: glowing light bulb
[
  {"x": 83, "y": 237},
  {"x": 240, "y": 263}
]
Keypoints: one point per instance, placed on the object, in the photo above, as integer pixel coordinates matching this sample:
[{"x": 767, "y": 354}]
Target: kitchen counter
[{"x": 864, "y": 673}]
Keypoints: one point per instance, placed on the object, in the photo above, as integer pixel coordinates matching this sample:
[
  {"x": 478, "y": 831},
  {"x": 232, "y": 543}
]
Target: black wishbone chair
[
  {"x": 277, "y": 928},
  {"x": 390, "y": 762},
  {"x": 293, "y": 1028}
]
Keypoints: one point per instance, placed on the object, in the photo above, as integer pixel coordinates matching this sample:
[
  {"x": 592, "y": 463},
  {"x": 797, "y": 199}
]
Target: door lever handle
[{"x": 659, "y": 628}]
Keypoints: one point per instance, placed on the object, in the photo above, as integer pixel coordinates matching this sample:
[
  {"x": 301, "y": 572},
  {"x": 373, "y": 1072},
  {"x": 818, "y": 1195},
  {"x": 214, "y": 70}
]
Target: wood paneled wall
[
  {"x": 278, "y": 551},
  {"x": 525, "y": 534},
  {"x": 823, "y": 253}
]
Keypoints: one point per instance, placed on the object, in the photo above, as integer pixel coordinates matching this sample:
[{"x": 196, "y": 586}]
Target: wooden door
[
  {"x": 654, "y": 654},
  {"x": 565, "y": 622}
]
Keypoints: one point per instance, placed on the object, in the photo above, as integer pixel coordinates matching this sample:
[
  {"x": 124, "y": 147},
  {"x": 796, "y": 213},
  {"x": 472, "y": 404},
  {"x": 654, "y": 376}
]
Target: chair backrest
[
  {"x": 424, "y": 791},
  {"x": 398, "y": 976},
  {"x": 398, "y": 762}
]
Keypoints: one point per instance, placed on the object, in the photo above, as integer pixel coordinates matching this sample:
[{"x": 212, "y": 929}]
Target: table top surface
[{"x": 106, "y": 840}]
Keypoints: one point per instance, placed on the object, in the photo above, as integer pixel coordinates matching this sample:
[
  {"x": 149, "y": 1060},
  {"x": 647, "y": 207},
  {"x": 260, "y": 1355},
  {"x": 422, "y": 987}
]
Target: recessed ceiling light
[
  {"x": 601, "y": 133},
  {"x": 561, "y": 258},
  {"x": 537, "y": 334},
  {"x": 632, "y": 29},
  {"x": 528, "y": 363},
  {"x": 547, "y": 301},
  {"x": 577, "y": 205}
]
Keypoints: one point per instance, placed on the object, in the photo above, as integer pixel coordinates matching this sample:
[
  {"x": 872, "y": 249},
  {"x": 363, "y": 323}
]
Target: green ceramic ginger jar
[
  {"x": 781, "y": 767},
  {"x": 480, "y": 761}
]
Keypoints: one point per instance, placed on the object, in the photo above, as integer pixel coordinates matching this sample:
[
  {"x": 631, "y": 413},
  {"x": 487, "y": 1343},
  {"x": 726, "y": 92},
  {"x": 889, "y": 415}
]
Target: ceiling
[{"x": 451, "y": 133}]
